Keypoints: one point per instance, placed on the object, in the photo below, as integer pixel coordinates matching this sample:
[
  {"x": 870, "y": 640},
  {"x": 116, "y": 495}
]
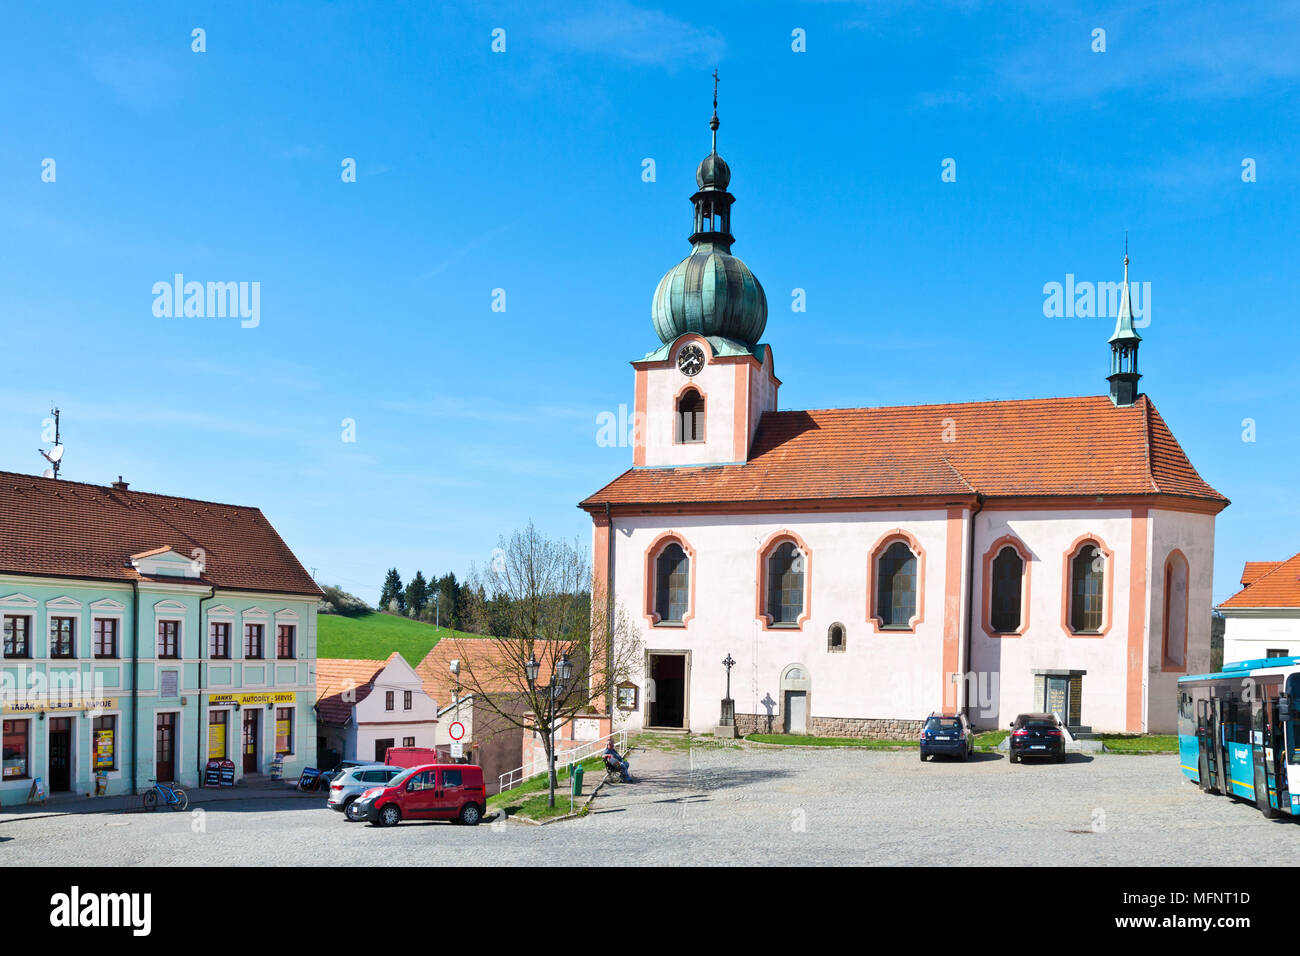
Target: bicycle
[{"x": 176, "y": 799}]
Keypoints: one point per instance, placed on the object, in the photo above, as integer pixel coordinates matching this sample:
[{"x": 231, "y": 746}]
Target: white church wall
[{"x": 1193, "y": 535}]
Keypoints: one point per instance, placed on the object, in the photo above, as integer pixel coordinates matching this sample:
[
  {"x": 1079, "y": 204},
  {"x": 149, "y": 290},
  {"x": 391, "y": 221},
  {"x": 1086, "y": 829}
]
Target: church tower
[
  {"x": 1124, "y": 343},
  {"x": 700, "y": 395}
]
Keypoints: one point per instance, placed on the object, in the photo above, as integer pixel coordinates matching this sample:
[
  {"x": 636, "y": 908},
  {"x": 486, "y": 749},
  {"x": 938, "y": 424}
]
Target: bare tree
[{"x": 540, "y": 602}]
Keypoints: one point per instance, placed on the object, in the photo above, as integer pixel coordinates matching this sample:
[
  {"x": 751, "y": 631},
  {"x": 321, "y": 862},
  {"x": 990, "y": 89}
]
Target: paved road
[{"x": 737, "y": 806}]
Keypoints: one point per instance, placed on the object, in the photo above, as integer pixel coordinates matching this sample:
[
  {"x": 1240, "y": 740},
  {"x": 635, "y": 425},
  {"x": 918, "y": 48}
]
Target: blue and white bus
[{"x": 1239, "y": 732}]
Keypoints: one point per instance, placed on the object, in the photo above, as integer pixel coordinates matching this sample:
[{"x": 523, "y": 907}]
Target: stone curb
[{"x": 74, "y": 808}]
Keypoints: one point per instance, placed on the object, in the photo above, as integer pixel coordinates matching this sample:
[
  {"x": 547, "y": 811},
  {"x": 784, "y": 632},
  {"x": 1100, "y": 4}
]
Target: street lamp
[
  {"x": 553, "y": 691},
  {"x": 455, "y": 672}
]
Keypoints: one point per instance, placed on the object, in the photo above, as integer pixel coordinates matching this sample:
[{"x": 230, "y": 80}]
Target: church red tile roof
[
  {"x": 1278, "y": 586},
  {"x": 1082, "y": 446},
  {"x": 70, "y": 529}
]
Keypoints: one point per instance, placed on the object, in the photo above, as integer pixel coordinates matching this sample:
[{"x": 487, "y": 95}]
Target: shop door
[
  {"x": 60, "y": 754},
  {"x": 252, "y": 720},
  {"x": 165, "y": 748}
]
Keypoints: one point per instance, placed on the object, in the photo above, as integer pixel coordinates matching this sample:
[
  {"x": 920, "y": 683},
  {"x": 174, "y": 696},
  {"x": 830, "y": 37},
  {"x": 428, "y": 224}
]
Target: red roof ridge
[
  {"x": 1146, "y": 437},
  {"x": 58, "y": 483},
  {"x": 971, "y": 404}
]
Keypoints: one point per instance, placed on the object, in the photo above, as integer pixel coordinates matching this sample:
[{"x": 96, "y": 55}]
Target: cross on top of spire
[{"x": 713, "y": 123}]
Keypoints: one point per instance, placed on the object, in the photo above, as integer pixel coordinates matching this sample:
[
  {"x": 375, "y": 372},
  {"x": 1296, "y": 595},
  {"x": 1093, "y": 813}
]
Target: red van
[{"x": 433, "y": 791}]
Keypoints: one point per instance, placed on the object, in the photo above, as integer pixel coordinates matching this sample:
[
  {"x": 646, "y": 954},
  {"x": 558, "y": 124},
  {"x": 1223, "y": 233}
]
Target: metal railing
[{"x": 572, "y": 755}]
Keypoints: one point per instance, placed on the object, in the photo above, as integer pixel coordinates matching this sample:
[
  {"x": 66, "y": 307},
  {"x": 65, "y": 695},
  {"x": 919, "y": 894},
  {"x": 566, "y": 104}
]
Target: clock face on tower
[{"x": 690, "y": 360}]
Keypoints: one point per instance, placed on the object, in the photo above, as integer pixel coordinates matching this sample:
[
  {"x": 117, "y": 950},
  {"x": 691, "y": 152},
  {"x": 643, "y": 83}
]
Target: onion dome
[{"x": 710, "y": 292}]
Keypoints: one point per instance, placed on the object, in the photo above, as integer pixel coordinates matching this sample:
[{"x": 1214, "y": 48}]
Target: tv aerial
[{"x": 55, "y": 455}]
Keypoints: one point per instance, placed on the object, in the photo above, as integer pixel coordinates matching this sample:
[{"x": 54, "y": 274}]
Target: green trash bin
[{"x": 577, "y": 780}]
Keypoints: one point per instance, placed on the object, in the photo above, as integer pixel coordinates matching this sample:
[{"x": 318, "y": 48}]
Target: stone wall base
[{"x": 882, "y": 728}]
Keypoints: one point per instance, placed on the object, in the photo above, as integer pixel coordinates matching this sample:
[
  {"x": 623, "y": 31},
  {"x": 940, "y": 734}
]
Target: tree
[
  {"x": 392, "y": 595},
  {"x": 339, "y": 601},
  {"x": 417, "y": 594},
  {"x": 536, "y": 598}
]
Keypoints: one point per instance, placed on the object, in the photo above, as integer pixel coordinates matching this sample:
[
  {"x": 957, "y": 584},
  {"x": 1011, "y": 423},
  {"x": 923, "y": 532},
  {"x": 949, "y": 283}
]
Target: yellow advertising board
[
  {"x": 217, "y": 741},
  {"x": 103, "y": 750},
  {"x": 248, "y": 700},
  {"x": 12, "y": 705}
]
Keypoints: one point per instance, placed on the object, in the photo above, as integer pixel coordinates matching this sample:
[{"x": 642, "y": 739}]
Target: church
[{"x": 991, "y": 557}]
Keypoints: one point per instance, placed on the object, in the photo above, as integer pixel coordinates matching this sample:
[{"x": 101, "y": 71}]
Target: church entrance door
[{"x": 668, "y": 706}]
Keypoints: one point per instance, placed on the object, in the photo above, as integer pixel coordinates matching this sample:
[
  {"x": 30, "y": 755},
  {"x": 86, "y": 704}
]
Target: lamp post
[
  {"x": 455, "y": 672},
  {"x": 436, "y": 620},
  {"x": 553, "y": 691}
]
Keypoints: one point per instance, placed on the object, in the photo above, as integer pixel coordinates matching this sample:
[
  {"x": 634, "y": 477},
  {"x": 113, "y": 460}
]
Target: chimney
[{"x": 119, "y": 485}]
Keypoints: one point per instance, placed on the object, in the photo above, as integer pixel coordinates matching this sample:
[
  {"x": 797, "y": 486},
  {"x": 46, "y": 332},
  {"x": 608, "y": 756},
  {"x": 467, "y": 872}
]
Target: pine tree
[
  {"x": 392, "y": 592},
  {"x": 417, "y": 595}
]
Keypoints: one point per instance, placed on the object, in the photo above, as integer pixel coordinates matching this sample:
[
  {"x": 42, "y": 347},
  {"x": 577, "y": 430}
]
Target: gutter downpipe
[
  {"x": 135, "y": 685},
  {"x": 609, "y": 616},
  {"x": 970, "y": 605},
  {"x": 198, "y": 726}
]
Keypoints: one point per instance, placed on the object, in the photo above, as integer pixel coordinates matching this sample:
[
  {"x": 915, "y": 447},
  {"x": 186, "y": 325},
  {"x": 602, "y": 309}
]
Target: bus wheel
[{"x": 1205, "y": 777}]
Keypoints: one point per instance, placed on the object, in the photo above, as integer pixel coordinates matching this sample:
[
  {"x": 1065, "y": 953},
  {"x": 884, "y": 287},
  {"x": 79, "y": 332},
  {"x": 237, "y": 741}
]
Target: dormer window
[{"x": 690, "y": 417}]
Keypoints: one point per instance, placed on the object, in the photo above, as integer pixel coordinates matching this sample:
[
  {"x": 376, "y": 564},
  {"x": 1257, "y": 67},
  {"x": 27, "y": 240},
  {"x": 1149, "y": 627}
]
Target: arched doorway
[{"x": 796, "y": 687}]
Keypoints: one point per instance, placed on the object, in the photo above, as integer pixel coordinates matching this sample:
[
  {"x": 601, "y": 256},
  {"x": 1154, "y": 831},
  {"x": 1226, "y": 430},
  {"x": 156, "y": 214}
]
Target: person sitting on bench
[{"x": 615, "y": 762}]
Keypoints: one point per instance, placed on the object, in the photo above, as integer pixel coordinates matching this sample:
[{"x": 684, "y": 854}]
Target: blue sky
[{"x": 522, "y": 171}]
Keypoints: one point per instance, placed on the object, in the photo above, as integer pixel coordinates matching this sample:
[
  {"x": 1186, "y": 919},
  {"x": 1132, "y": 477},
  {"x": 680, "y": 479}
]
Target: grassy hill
[{"x": 374, "y": 636}]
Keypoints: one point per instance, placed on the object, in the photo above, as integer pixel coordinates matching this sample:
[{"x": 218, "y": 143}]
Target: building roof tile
[
  {"x": 72, "y": 529},
  {"x": 1277, "y": 586}
]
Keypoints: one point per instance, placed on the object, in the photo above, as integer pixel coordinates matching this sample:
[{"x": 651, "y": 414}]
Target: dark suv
[
  {"x": 1036, "y": 735},
  {"x": 946, "y": 734}
]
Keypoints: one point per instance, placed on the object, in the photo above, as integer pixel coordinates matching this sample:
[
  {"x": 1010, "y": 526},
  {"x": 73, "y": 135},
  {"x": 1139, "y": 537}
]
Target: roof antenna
[
  {"x": 55, "y": 455},
  {"x": 713, "y": 123}
]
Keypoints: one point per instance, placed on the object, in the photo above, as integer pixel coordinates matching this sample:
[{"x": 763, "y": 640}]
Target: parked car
[
  {"x": 1036, "y": 735},
  {"x": 949, "y": 734},
  {"x": 354, "y": 781},
  {"x": 430, "y": 792}
]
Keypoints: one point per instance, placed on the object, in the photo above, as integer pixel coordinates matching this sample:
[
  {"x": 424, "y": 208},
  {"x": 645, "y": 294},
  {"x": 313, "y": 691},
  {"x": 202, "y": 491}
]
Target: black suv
[
  {"x": 947, "y": 734},
  {"x": 1036, "y": 735}
]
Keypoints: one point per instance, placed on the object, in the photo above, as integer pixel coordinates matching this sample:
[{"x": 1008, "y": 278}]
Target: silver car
[{"x": 354, "y": 781}]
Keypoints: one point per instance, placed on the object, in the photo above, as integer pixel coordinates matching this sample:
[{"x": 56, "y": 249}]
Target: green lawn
[
  {"x": 529, "y": 798},
  {"x": 374, "y": 636},
  {"x": 1141, "y": 743}
]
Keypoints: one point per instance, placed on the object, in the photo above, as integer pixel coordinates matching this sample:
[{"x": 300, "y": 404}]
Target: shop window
[
  {"x": 17, "y": 750},
  {"x": 218, "y": 724},
  {"x": 104, "y": 744},
  {"x": 283, "y": 731},
  {"x": 105, "y": 636},
  {"x": 18, "y": 636}
]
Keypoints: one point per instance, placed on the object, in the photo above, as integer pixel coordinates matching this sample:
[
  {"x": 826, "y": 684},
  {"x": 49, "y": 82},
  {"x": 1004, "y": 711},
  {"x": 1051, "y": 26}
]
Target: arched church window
[
  {"x": 785, "y": 582},
  {"x": 1087, "y": 594},
  {"x": 896, "y": 586},
  {"x": 672, "y": 584},
  {"x": 835, "y": 637},
  {"x": 690, "y": 417},
  {"x": 1174, "y": 655},
  {"x": 1008, "y": 591}
]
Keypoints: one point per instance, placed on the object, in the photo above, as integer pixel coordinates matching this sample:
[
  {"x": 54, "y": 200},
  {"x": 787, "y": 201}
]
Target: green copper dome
[{"x": 710, "y": 292}]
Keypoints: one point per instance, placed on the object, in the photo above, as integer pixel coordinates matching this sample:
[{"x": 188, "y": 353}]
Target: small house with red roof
[
  {"x": 363, "y": 707},
  {"x": 1263, "y": 618},
  {"x": 860, "y": 568}
]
